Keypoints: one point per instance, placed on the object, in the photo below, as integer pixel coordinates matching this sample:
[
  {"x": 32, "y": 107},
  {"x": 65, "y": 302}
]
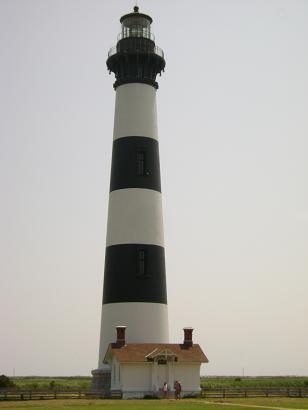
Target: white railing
[
  {"x": 112, "y": 51},
  {"x": 158, "y": 51}
]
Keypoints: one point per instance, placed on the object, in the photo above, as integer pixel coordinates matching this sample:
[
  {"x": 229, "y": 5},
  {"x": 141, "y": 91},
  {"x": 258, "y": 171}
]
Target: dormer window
[{"x": 162, "y": 356}]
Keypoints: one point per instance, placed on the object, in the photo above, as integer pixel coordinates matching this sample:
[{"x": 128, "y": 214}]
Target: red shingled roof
[{"x": 138, "y": 352}]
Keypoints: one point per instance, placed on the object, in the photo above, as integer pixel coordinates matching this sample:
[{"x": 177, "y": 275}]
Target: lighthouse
[{"x": 134, "y": 293}]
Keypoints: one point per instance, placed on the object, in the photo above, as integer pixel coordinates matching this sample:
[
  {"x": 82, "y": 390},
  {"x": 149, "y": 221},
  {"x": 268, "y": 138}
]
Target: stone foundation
[{"x": 101, "y": 382}]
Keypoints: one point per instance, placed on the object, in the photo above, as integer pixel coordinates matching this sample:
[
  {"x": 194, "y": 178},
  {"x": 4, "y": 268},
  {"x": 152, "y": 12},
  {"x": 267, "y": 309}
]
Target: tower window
[
  {"x": 141, "y": 262},
  {"x": 141, "y": 164}
]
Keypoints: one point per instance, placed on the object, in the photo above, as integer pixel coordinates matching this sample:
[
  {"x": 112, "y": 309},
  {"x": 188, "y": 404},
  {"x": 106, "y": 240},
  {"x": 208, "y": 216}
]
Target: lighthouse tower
[{"x": 134, "y": 292}]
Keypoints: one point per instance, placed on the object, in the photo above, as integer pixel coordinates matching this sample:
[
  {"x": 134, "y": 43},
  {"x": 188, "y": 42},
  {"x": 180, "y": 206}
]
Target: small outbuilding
[{"x": 141, "y": 369}]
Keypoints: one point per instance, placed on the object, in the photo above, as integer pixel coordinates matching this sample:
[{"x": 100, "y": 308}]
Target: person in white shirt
[{"x": 165, "y": 390}]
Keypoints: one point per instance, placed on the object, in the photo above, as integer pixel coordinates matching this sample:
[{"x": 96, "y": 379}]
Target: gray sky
[{"x": 232, "y": 112}]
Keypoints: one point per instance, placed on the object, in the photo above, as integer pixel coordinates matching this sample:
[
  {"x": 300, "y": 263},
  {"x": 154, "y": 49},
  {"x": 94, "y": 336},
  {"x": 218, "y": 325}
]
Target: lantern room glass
[{"x": 136, "y": 26}]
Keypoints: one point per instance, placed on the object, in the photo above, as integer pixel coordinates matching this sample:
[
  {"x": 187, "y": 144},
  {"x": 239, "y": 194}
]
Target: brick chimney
[
  {"x": 188, "y": 336},
  {"x": 120, "y": 335}
]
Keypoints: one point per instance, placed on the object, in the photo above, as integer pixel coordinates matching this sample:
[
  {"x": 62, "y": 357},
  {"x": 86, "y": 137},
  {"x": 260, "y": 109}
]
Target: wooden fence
[
  {"x": 206, "y": 392},
  {"x": 43, "y": 394},
  {"x": 228, "y": 392}
]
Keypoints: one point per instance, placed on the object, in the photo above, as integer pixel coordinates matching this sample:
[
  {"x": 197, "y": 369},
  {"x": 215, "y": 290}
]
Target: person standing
[
  {"x": 177, "y": 389},
  {"x": 165, "y": 390},
  {"x": 175, "y": 386}
]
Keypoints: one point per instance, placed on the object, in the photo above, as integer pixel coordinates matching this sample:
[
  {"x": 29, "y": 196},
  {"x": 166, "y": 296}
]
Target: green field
[
  {"x": 189, "y": 404},
  {"x": 52, "y": 382},
  {"x": 185, "y": 404},
  {"x": 283, "y": 381},
  {"x": 211, "y": 382}
]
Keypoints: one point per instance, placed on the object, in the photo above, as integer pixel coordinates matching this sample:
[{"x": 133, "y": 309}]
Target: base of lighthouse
[{"x": 146, "y": 323}]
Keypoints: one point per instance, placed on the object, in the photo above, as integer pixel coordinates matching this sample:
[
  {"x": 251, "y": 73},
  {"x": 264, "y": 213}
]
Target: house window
[
  {"x": 141, "y": 262},
  {"x": 141, "y": 164}
]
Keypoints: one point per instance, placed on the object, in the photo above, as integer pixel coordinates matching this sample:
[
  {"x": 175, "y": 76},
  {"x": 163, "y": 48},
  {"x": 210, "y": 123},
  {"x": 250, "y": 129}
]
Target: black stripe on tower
[
  {"x": 135, "y": 164},
  {"x": 135, "y": 273}
]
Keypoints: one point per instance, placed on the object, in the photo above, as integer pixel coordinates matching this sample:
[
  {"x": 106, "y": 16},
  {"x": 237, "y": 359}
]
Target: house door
[{"x": 162, "y": 375}]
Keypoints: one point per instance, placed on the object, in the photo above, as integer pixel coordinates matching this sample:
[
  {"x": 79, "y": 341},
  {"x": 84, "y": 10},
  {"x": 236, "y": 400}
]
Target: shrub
[
  {"x": 5, "y": 381},
  {"x": 52, "y": 384}
]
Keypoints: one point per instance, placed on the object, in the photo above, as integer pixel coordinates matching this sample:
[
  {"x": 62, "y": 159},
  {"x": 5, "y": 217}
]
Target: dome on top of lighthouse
[{"x": 136, "y": 16}]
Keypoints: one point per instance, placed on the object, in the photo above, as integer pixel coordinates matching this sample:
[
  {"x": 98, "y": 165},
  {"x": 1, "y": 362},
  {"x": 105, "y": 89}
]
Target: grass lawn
[
  {"x": 285, "y": 402},
  {"x": 188, "y": 404}
]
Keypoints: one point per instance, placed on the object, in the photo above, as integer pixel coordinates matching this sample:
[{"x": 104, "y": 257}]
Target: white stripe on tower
[
  {"x": 135, "y": 111},
  {"x": 146, "y": 323},
  {"x": 135, "y": 216}
]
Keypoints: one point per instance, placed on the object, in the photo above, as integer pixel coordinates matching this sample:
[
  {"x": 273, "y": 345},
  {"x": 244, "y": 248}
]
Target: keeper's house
[{"x": 140, "y": 369}]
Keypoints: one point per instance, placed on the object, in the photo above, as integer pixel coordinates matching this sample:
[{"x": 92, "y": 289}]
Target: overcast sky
[{"x": 233, "y": 123}]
